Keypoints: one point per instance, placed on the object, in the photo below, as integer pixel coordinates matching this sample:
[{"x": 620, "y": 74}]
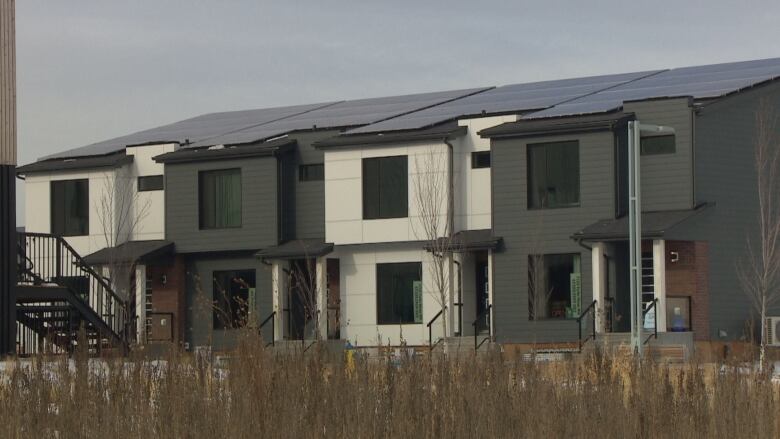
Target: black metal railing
[
  {"x": 271, "y": 318},
  {"x": 44, "y": 330},
  {"x": 651, "y": 306},
  {"x": 50, "y": 261},
  {"x": 430, "y": 328},
  {"x": 484, "y": 321},
  {"x": 590, "y": 310}
]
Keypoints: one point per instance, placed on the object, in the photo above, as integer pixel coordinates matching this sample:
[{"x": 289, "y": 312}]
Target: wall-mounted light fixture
[
  {"x": 164, "y": 279},
  {"x": 674, "y": 256}
]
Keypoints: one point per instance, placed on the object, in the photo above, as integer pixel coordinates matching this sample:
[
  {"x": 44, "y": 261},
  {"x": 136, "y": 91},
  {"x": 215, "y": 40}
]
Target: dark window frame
[
  {"x": 544, "y": 203},
  {"x": 311, "y": 172},
  {"x": 414, "y": 266},
  {"x": 645, "y": 140},
  {"x": 201, "y": 206},
  {"x": 234, "y": 310},
  {"x": 374, "y": 171},
  {"x": 479, "y": 160},
  {"x": 150, "y": 183},
  {"x": 574, "y": 255},
  {"x": 60, "y": 223}
]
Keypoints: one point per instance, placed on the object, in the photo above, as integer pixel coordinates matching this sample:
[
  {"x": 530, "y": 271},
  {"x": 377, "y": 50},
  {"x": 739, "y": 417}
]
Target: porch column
[
  {"x": 140, "y": 303},
  {"x": 490, "y": 293},
  {"x": 322, "y": 299},
  {"x": 599, "y": 276},
  {"x": 659, "y": 282},
  {"x": 279, "y": 281}
]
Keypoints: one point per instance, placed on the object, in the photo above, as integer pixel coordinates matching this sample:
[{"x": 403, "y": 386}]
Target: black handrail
[
  {"x": 430, "y": 328},
  {"x": 592, "y": 310},
  {"x": 489, "y": 311},
  {"x": 50, "y": 259},
  {"x": 272, "y": 319},
  {"x": 655, "y": 319}
]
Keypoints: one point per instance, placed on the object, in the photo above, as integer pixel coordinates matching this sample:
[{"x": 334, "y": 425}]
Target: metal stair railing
[
  {"x": 481, "y": 318},
  {"x": 431, "y": 345},
  {"x": 591, "y": 309},
  {"x": 50, "y": 261},
  {"x": 653, "y": 306}
]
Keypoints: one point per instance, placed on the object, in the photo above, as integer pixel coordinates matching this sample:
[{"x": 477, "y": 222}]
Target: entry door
[
  {"x": 334, "y": 299},
  {"x": 302, "y": 298},
  {"x": 482, "y": 287}
]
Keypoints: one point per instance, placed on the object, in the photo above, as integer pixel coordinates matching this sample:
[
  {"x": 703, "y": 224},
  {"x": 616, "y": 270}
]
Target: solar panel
[
  {"x": 505, "y": 99},
  {"x": 699, "y": 82},
  {"x": 194, "y": 129},
  {"x": 343, "y": 114}
]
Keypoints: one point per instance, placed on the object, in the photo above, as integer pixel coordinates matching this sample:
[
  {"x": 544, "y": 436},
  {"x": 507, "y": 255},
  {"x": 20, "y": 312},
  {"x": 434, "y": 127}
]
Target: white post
[
  {"x": 140, "y": 303},
  {"x": 599, "y": 275},
  {"x": 322, "y": 298},
  {"x": 279, "y": 280},
  {"x": 659, "y": 282}
]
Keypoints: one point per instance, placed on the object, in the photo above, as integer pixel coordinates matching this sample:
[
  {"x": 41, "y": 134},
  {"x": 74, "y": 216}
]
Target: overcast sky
[{"x": 92, "y": 70}]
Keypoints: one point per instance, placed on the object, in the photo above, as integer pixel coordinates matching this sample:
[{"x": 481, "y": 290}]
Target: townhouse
[{"x": 497, "y": 213}]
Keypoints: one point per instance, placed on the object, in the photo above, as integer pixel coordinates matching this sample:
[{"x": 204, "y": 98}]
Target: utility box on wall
[{"x": 161, "y": 327}]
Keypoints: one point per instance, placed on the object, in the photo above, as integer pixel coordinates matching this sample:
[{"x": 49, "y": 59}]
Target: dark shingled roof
[
  {"x": 299, "y": 248},
  {"x": 448, "y": 130},
  {"x": 103, "y": 161},
  {"x": 132, "y": 251},
  {"x": 654, "y": 225},
  {"x": 562, "y": 125}
]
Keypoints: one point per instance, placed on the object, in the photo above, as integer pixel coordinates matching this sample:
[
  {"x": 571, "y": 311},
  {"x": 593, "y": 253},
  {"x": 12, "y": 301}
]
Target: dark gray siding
[
  {"x": 200, "y": 292},
  {"x": 725, "y": 175},
  {"x": 259, "y": 211},
  {"x": 310, "y": 195},
  {"x": 543, "y": 231},
  {"x": 667, "y": 179}
]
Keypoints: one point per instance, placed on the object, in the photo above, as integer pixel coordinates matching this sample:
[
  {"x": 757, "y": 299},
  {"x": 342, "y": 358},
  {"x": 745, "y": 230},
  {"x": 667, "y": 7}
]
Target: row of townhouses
[{"x": 499, "y": 212}]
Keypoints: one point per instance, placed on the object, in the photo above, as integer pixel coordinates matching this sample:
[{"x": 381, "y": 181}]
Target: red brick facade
[
  {"x": 169, "y": 297},
  {"x": 687, "y": 276}
]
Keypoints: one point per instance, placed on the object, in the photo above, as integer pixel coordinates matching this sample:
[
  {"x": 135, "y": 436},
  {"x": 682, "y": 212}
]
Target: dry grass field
[{"x": 257, "y": 394}]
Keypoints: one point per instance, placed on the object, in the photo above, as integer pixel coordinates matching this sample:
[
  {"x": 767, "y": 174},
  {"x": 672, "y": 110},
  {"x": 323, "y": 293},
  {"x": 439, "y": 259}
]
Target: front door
[
  {"x": 303, "y": 302},
  {"x": 482, "y": 288}
]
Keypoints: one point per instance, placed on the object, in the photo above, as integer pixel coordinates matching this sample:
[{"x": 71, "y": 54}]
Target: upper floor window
[
  {"x": 220, "y": 198},
  {"x": 399, "y": 293},
  {"x": 70, "y": 207},
  {"x": 553, "y": 175},
  {"x": 480, "y": 159},
  {"x": 315, "y": 172},
  {"x": 150, "y": 183},
  {"x": 652, "y": 145},
  {"x": 385, "y": 185}
]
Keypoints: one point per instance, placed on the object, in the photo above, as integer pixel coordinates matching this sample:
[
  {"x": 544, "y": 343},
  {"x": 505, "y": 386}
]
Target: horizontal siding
[
  {"x": 543, "y": 231},
  {"x": 725, "y": 176},
  {"x": 667, "y": 179},
  {"x": 259, "y": 212},
  {"x": 7, "y": 83}
]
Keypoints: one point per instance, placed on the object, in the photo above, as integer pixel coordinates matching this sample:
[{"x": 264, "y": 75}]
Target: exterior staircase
[{"x": 61, "y": 301}]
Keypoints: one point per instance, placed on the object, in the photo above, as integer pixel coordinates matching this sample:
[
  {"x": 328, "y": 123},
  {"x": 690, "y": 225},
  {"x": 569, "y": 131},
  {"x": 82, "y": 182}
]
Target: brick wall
[
  {"x": 687, "y": 277},
  {"x": 169, "y": 298}
]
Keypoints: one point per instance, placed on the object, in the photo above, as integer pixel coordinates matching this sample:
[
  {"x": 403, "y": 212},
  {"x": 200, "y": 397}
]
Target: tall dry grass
[{"x": 259, "y": 394}]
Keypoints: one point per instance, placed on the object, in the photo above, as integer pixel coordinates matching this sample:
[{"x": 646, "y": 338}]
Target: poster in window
[
  {"x": 417, "y": 291},
  {"x": 575, "y": 289}
]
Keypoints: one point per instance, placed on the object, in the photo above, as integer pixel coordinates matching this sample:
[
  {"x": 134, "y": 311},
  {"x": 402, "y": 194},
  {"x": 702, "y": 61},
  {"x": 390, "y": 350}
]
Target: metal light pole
[{"x": 635, "y": 129}]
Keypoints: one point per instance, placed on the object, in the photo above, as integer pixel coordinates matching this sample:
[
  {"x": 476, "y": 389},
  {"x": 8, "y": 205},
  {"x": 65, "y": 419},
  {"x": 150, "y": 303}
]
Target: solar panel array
[
  {"x": 343, "y": 114},
  {"x": 508, "y": 98},
  {"x": 555, "y": 98},
  {"x": 700, "y": 82},
  {"x": 194, "y": 129}
]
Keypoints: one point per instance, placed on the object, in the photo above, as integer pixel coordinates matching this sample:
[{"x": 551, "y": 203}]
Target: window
[
  {"x": 399, "y": 293},
  {"x": 678, "y": 314},
  {"x": 385, "y": 181},
  {"x": 311, "y": 172},
  {"x": 233, "y": 293},
  {"x": 553, "y": 175},
  {"x": 653, "y": 145},
  {"x": 220, "y": 199},
  {"x": 554, "y": 286},
  {"x": 70, "y": 207},
  {"x": 480, "y": 159},
  {"x": 150, "y": 183}
]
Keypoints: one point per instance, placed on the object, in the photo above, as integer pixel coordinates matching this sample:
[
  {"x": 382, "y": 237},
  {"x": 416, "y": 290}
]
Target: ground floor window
[
  {"x": 678, "y": 314},
  {"x": 554, "y": 286},
  {"x": 399, "y": 293},
  {"x": 234, "y": 290}
]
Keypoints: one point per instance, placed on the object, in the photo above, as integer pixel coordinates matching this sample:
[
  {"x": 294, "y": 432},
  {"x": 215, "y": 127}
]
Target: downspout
[
  {"x": 451, "y": 208},
  {"x": 460, "y": 299}
]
